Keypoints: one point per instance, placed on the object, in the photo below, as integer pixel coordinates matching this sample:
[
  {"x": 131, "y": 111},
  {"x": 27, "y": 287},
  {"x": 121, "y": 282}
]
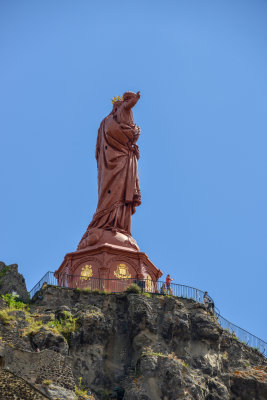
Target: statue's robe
[{"x": 118, "y": 181}]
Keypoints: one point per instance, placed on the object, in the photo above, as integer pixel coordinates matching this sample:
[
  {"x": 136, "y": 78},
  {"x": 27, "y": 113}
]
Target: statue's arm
[
  {"x": 131, "y": 102},
  {"x": 136, "y": 135}
]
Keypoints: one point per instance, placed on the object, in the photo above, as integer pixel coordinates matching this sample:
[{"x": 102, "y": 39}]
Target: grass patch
[
  {"x": 133, "y": 288},
  {"x": 6, "y": 317},
  {"x": 81, "y": 391},
  {"x": 94, "y": 291},
  {"x": 149, "y": 295},
  {"x": 13, "y": 303},
  {"x": 172, "y": 356},
  {"x": 65, "y": 326},
  {"x": 34, "y": 325},
  {"x": 47, "y": 382},
  {"x": 92, "y": 311},
  {"x": 98, "y": 291},
  {"x": 86, "y": 290}
]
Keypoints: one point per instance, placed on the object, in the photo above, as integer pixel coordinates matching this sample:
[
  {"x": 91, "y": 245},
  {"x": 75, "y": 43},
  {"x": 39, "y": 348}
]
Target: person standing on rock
[
  {"x": 205, "y": 299},
  {"x": 163, "y": 289},
  {"x": 208, "y": 302},
  {"x": 168, "y": 284}
]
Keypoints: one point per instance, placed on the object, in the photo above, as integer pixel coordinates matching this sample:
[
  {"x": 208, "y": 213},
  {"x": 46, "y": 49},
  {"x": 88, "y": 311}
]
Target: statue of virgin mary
[{"x": 118, "y": 182}]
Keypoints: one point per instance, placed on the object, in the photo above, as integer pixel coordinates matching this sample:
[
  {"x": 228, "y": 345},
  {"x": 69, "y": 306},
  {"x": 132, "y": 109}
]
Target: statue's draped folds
[{"x": 118, "y": 181}]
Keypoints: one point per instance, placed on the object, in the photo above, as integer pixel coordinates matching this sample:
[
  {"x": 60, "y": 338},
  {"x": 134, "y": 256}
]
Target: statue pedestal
[
  {"x": 107, "y": 253},
  {"x": 107, "y": 266}
]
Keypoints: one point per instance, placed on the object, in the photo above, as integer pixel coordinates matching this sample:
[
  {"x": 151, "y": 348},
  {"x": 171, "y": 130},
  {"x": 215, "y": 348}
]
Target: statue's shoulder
[
  {"x": 107, "y": 119},
  {"x": 103, "y": 122}
]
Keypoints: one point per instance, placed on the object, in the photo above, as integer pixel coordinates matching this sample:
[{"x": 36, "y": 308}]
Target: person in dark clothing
[
  {"x": 208, "y": 302},
  {"x": 163, "y": 289}
]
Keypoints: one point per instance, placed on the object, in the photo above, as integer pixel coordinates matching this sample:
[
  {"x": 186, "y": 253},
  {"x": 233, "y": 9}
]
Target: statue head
[
  {"x": 116, "y": 106},
  {"x": 116, "y": 102}
]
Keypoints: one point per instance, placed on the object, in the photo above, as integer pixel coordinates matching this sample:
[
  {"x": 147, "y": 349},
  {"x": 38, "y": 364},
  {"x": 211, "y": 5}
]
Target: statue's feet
[{"x": 96, "y": 236}]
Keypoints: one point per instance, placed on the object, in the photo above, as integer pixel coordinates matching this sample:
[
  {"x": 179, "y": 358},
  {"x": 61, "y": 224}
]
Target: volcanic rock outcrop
[
  {"x": 12, "y": 281},
  {"x": 127, "y": 346}
]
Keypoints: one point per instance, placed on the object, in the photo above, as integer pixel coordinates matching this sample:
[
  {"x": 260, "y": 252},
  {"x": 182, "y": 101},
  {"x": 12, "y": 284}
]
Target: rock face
[
  {"x": 14, "y": 387},
  {"x": 12, "y": 281},
  {"x": 131, "y": 347}
]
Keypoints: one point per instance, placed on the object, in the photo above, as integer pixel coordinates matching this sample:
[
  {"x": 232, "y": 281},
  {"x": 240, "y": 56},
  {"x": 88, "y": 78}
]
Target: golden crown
[{"x": 118, "y": 98}]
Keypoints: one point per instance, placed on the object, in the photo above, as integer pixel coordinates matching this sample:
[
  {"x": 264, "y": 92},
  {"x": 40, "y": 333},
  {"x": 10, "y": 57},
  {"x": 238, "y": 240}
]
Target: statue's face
[{"x": 116, "y": 105}]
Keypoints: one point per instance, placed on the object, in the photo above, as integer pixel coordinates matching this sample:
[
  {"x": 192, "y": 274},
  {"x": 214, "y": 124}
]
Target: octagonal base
[{"x": 106, "y": 267}]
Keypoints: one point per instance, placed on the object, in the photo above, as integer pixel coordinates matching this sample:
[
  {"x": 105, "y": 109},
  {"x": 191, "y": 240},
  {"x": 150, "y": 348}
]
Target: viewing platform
[{"x": 152, "y": 287}]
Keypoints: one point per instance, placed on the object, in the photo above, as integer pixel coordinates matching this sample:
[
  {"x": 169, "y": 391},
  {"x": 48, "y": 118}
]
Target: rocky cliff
[
  {"x": 126, "y": 346},
  {"x": 12, "y": 281}
]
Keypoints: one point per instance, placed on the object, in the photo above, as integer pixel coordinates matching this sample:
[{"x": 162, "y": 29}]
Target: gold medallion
[
  {"x": 122, "y": 272},
  {"x": 86, "y": 272}
]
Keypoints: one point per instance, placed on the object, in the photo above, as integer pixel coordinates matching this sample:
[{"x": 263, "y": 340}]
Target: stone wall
[
  {"x": 38, "y": 367},
  {"x": 13, "y": 387}
]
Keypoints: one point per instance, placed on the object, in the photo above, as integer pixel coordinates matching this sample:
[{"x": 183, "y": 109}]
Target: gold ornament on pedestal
[
  {"x": 122, "y": 272},
  {"x": 86, "y": 272}
]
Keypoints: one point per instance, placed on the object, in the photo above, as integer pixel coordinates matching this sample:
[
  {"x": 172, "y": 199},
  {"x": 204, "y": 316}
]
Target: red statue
[
  {"x": 118, "y": 182},
  {"x": 108, "y": 258}
]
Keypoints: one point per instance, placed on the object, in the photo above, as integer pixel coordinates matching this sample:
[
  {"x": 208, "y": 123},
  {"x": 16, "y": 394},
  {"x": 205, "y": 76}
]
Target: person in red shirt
[{"x": 168, "y": 284}]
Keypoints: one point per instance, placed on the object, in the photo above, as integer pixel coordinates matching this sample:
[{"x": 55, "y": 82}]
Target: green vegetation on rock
[
  {"x": 13, "y": 303},
  {"x": 7, "y": 315},
  {"x": 65, "y": 326},
  {"x": 149, "y": 352},
  {"x": 81, "y": 391},
  {"x": 133, "y": 288}
]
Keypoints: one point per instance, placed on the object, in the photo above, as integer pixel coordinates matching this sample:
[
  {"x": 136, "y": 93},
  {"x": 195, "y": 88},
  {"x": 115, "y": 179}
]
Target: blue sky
[{"x": 201, "y": 69}]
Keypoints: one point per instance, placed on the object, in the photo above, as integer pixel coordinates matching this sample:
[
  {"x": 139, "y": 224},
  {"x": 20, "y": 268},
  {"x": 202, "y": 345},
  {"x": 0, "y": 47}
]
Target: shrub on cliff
[
  {"x": 13, "y": 303},
  {"x": 7, "y": 315},
  {"x": 133, "y": 289}
]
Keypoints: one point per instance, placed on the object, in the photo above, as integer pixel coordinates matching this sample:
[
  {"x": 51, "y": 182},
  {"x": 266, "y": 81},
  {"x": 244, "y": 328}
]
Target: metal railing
[
  {"x": 242, "y": 335},
  {"x": 117, "y": 285},
  {"x": 47, "y": 278},
  {"x": 146, "y": 285}
]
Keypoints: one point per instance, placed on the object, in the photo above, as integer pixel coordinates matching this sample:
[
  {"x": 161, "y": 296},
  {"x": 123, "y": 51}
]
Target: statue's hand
[{"x": 130, "y": 99}]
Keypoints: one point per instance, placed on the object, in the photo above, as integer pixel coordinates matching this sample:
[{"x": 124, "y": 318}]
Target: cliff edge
[{"x": 72, "y": 344}]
